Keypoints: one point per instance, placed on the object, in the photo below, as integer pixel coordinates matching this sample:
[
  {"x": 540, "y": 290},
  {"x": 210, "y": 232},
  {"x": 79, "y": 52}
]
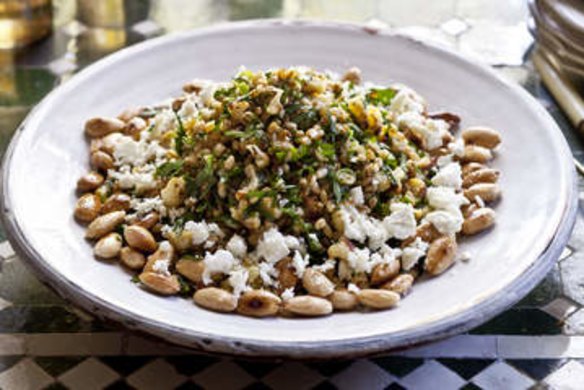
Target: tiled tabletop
[{"x": 46, "y": 343}]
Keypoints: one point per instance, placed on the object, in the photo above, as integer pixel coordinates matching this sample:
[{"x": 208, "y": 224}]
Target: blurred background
[{"x": 539, "y": 343}]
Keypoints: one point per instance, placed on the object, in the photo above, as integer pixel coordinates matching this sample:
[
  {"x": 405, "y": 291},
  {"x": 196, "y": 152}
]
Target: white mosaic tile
[
  {"x": 431, "y": 373},
  {"x": 496, "y": 44},
  {"x": 12, "y": 344},
  {"x": 568, "y": 377},
  {"x": 90, "y": 374},
  {"x": 147, "y": 28},
  {"x": 293, "y": 376},
  {"x": 560, "y": 308},
  {"x": 4, "y": 304},
  {"x": 500, "y": 11},
  {"x": 357, "y": 11},
  {"x": 457, "y": 347},
  {"x": 362, "y": 374},
  {"x": 500, "y": 375},
  {"x": 25, "y": 374},
  {"x": 6, "y": 250},
  {"x": 454, "y": 26},
  {"x": 416, "y": 12},
  {"x": 157, "y": 374},
  {"x": 223, "y": 375},
  {"x": 62, "y": 66}
]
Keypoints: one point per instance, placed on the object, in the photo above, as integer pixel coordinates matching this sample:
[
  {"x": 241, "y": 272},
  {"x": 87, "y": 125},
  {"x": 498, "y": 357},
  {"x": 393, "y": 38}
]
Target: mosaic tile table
[{"x": 45, "y": 343}]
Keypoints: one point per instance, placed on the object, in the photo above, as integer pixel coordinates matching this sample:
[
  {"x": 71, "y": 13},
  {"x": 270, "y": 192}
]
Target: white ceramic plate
[{"x": 49, "y": 153}]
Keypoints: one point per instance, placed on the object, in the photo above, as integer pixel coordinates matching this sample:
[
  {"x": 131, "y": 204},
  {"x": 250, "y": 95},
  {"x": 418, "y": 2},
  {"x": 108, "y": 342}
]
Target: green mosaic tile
[
  {"x": 537, "y": 369},
  {"x": 521, "y": 321},
  {"x": 125, "y": 365},
  {"x": 20, "y": 287},
  {"x": 470, "y": 386},
  {"x": 330, "y": 368},
  {"x": 466, "y": 368},
  {"x": 38, "y": 319},
  {"x": 192, "y": 364},
  {"x": 251, "y": 9},
  {"x": 56, "y": 366},
  {"x": 398, "y": 366},
  {"x": 8, "y": 361},
  {"x": 25, "y": 86}
]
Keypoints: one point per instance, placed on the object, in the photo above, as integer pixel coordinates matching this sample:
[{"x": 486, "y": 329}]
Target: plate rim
[{"x": 347, "y": 348}]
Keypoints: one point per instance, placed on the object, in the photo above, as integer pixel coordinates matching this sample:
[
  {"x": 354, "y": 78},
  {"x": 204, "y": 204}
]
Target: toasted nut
[
  {"x": 378, "y": 299},
  {"x": 165, "y": 251},
  {"x": 131, "y": 258},
  {"x": 101, "y": 161},
  {"x": 135, "y": 126},
  {"x": 139, "y": 238},
  {"x": 108, "y": 246},
  {"x": 90, "y": 182},
  {"x": 401, "y": 284},
  {"x": 383, "y": 272},
  {"x": 484, "y": 175},
  {"x": 182, "y": 241},
  {"x": 130, "y": 113},
  {"x": 174, "y": 193},
  {"x": 215, "y": 299},
  {"x": 488, "y": 192},
  {"x": 440, "y": 255},
  {"x": 161, "y": 284},
  {"x": 116, "y": 202},
  {"x": 286, "y": 275},
  {"x": 99, "y": 127},
  {"x": 191, "y": 269},
  {"x": 471, "y": 167},
  {"x": 316, "y": 283},
  {"x": 148, "y": 221},
  {"x": 353, "y": 75},
  {"x": 475, "y": 153},
  {"x": 482, "y": 136},
  {"x": 478, "y": 221},
  {"x": 340, "y": 250},
  {"x": 87, "y": 208},
  {"x": 104, "y": 224},
  {"x": 258, "y": 303},
  {"x": 343, "y": 300},
  {"x": 308, "y": 306}
]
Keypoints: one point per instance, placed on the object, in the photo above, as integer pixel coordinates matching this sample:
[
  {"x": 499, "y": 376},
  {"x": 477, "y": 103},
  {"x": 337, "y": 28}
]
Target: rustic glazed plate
[{"x": 49, "y": 153}]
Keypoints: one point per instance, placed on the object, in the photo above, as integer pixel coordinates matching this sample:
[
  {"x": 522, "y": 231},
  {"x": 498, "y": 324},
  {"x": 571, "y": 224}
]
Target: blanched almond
[
  {"x": 308, "y": 306},
  {"x": 441, "y": 254},
  {"x": 87, "y": 208},
  {"x": 482, "y": 136},
  {"x": 378, "y": 299},
  {"x": 316, "y": 283},
  {"x": 258, "y": 303},
  {"x": 215, "y": 299},
  {"x": 104, "y": 224},
  {"x": 139, "y": 238},
  {"x": 108, "y": 246},
  {"x": 99, "y": 127}
]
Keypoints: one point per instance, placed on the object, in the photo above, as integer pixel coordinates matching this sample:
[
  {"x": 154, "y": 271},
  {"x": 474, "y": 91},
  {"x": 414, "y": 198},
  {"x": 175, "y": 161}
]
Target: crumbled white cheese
[
  {"x": 444, "y": 160},
  {"x": 352, "y": 287},
  {"x": 299, "y": 263},
  {"x": 360, "y": 260},
  {"x": 161, "y": 267},
  {"x": 447, "y": 217},
  {"x": 165, "y": 247},
  {"x": 401, "y": 223},
  {"x": 199, "y": 231},
  {"x": 238, "y": 281},
  {"x": 129, "y": 151},
  {"x": 457, "y": 147},
  {"x": 293, "y": 243},
  {"x": 449, "y": 175},
  {"x": 287, "y": 294},
  {"x": 464, "y": 256},
  {"x": 355, "y": 223},
  {"x": 356, "y": 195},
  {"x": 163, "y": 121},
  {"x": 139, "y": 179},
  {"x": 412, "y": 253},
  {"x": 446, "y": 221},
  {"x": 399, "y": 174},
  {"x": 445, "y": 198},
  {"x": 220, "y": 262},
  {"x": 268, "y": 273},
  {"x": 407, "y": 100},
  {"x": 188, "y": 109},
  {"x": 237, "y": 246},
  {"x": 215, "y": 230},
  {"x": 326, "y": 266},
  {"x": 430, "y": 131},
  {"x": 146, "y": 205},
  {"x": 272, "y": 246}
]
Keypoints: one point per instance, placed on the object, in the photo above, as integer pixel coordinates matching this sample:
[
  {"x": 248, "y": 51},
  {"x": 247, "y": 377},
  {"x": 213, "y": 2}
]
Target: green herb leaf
[
  {"x": 169, "y": 169},
  {"x": 181, "y": 134},
  {"x": 381, "y": 96}
]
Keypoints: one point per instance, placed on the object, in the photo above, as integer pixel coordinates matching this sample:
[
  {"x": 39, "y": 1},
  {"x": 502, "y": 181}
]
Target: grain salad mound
[{"x": 288, "y": 191}]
